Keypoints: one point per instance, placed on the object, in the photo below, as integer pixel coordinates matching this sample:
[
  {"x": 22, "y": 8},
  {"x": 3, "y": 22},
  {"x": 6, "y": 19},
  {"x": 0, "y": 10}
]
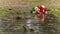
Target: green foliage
[
  {"x": 3, "y": 11},
  {"x": 55, "y": 11}
]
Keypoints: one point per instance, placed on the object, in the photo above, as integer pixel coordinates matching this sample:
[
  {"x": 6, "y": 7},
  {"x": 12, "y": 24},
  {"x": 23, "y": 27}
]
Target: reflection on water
[{"x": 33, "y": 25}]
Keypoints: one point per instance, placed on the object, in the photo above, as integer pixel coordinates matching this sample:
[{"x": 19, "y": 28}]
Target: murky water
[{"x": 30, "y": 25}]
